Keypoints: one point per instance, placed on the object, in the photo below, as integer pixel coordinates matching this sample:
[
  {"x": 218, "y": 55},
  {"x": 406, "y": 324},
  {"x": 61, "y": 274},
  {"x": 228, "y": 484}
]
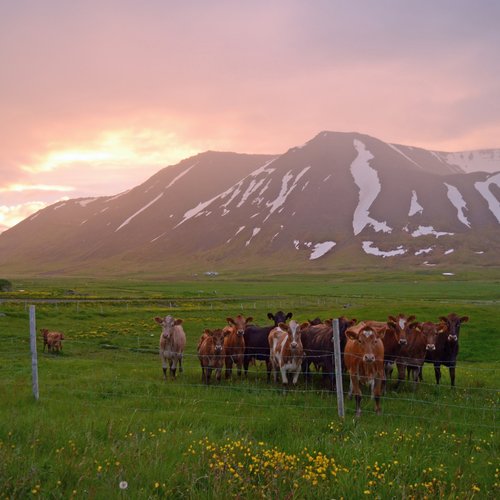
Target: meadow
[{"x": 107, "y": 425}]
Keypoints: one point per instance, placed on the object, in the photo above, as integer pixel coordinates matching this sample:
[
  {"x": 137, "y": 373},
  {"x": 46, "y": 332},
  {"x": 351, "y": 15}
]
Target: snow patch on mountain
[
  {"x": 424, "y": 251},
  {"x": 415, "y": 207},
  {"x": 284, "y": 191},
  {"x": 175, "y": 179},
  {"x": 366, "y": 178},
  {"x": 429, "y": 230},
  {"x": 484, "y": 190},
  {"x": 321, "y": 249},
  {"x": 371, "y": 250},
  {"x": 475, "y": 161},
  {"x": 457, "y": 200},
  {"x": 124, "y": 223},
  {"x": 255, "y": 232},
  {"x": 402, "y": 154}
]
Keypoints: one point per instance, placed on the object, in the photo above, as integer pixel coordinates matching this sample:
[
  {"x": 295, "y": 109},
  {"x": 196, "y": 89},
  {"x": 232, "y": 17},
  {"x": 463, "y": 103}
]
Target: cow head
[
  {"x": 279, "y": 317},
  {"x": 218, "y": 339},
  {"x": 293, "y": 332},
  {"x": 167, "y": 323},
  {"x": 452, "y": 323},
  {"x": 368, "y": 340},
  {"x": 239, "y": 324},
  {"x": 430, "y": 332}
]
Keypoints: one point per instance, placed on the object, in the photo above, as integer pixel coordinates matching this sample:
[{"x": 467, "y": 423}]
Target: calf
[
  {"x": 172, "y": 344},
  {"x": 211, "y": 354},
  {"x": 286, "y": 350},
  {"x": 394, "y": 340},
  {"x": 421, "y": 342},
  {"x": 256, "y": 341},
  {"x": 317, "y": 341},
  {"x": 234, "y": 343},
  {"x": 53, "y": 340},
  {"x": 447, "y": 346},
  {"x": 364, "y": 360}
]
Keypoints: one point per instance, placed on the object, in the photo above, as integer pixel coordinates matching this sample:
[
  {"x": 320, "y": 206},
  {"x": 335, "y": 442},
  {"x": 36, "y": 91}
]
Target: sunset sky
[{"x": 96, "y": 96}]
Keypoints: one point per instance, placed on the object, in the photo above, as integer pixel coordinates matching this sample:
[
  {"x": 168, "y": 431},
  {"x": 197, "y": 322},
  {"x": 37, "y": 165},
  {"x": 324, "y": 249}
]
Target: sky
[{"x": 98, "y": 95}]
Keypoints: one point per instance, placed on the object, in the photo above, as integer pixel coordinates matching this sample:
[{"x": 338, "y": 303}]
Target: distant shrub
[{"x": 5, "y": 285}]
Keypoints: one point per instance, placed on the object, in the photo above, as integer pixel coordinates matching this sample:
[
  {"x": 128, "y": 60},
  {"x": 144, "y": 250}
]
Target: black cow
[
  {"x": 257, "y": 343},
  {"x": 447, "y": 346},
  {"x": 317, "y": 341}
]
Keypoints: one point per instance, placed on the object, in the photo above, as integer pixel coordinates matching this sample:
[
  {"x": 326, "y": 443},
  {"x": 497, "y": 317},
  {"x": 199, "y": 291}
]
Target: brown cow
[
  {"x": 211, "y": 354},
  {"x": 285, "y": 350},
  {"x": 364, "y": 360},
  {"x": 172, "y": 344},
  {"x": 53, "y": 340},
  {"x": 421, "y": 343},
  {"x": 234, "y": 343}
]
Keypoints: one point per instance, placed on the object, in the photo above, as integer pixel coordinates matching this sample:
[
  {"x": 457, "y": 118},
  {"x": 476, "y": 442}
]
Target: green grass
[{"x": 105, "y": 415}]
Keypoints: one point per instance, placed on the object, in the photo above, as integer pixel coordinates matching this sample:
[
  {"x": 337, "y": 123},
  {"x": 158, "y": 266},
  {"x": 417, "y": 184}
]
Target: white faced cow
[
  {"x": 172, "y": 343},
  {"x": 286, "y": 351}
]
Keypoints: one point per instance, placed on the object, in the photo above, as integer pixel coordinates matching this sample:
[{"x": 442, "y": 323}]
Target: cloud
[{"x": 12, "y": 215}]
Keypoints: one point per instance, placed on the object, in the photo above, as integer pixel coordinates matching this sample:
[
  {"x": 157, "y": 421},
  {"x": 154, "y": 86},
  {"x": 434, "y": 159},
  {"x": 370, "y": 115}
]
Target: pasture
[{"x": 108, "y": 426}]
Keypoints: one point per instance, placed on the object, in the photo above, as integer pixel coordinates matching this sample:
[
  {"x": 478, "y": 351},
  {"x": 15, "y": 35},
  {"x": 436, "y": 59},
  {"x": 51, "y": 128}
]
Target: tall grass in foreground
[{"x": 108, "y": 426}]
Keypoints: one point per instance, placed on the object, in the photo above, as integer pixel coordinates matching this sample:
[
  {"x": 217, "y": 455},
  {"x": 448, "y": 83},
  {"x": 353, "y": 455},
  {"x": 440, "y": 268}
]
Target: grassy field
[{"x": 107, "y": 426}]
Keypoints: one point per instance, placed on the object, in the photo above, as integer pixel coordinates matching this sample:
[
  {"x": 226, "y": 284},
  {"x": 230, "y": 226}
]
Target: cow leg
[
  {"x": 284, "y": 377},
  {"x": 218, "y": 374},
  {"x": 437, "y": 373},
  {"x": 377, "y": 391},
  {"x": 296, "y": 377},
  {"x": 239, "y": 364},
  {"x": 208, "y": 374},
  {"x": 401, "y": 373},
  {"x": 229, "y": 366},
  {"x": 452, "y": 375},
  {"x": 180, "y": 364},
  {"x": 246, "y": 362},
  {"x": 164, "y": 366},
  {"x": 357, "y": 397},
  {"x": 268, "y": 368}
]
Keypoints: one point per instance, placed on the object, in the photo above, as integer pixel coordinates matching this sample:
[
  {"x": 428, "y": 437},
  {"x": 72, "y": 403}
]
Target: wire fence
[{"x": 473, "y": 401}]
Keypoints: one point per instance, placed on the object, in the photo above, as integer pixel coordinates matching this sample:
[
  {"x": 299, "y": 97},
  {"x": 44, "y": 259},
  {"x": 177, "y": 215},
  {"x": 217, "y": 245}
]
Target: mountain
[{"x": 342, "y": 200}]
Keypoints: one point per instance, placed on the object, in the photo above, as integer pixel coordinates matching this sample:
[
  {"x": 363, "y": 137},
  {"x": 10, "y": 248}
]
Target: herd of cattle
[{"x": 369, "y": 349}]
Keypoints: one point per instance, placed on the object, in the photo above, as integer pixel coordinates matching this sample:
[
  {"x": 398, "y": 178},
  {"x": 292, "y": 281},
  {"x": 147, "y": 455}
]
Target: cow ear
[
  {"x": 391, "y": 318},
  {"x": 380, "y": 334},
  {"x": 411, "y": 318},
  {"x": 392, "y": 324},
  {"x": 353, "y": 321},
  {"x": 442, "y": 327},
  {"x": 249, "y": 319},
  {"x": 329, "y": 322},
  {"x": 288, "y": 316},
  {"x": 230, "y": 321},
  {"x": 178, "y": 322},
  {"x": 464, "y": 319},
  {"x": 159, "y": 320},
  {"x": 226, "y": 332},
  {"x": 444, "y": 319},
  {"x": 283, "y": 326},
  {"x": 305, "y": 325},
  {"x": 415, "y": 325},
  {"x": 270, "y": 316},
  {"x": 351, "y": 335}
]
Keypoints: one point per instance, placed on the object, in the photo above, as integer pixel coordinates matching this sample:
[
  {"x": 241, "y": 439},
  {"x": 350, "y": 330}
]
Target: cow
[
  {"x": 234, "y": 343},
  {"x": 364, "y": 360},
  {"x": 421, "y": 343},
  {"x": 51, "y": 339},
  {"x": 394, "y": 340},
  {"x": 211, "y": 354},
  {"x": 317, "y": 341},
  {"x": 257, "y": 343},
  {"x": 286, "y": 352},
  {"x": 447, "y": 346},
  {"x": 172, "y": 344}
]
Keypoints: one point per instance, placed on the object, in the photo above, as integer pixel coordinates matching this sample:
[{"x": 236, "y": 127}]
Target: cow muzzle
[
  {"x": 452, "y": 338},
  {"x": 369, "y": 358},
  {"x": 403, "y": 341},
  {"x": 218, "y": 349},
  {"x": 430, "y": 347},
  {"x": 294, "y": 345},
  {"x": 240, "y": 333}
]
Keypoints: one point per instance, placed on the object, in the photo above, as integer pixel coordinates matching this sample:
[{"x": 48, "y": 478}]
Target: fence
[{"x": 474, "y": 401}]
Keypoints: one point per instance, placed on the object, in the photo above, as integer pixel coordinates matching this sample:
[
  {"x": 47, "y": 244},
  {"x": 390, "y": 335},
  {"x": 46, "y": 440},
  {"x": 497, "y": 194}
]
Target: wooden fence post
[
  {"x": 338, "y": 367},
  {"x": 34, "y": 357}
]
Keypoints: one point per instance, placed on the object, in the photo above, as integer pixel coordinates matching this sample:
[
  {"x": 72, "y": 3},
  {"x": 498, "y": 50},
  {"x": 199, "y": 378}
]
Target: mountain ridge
[{"x": 313, "y": 206}]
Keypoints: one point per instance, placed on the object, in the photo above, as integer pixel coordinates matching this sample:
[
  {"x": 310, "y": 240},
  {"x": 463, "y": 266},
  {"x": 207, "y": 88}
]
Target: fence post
[
  {"x": 34, "y": 357},
  {"x": 338, "y": 367}
]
